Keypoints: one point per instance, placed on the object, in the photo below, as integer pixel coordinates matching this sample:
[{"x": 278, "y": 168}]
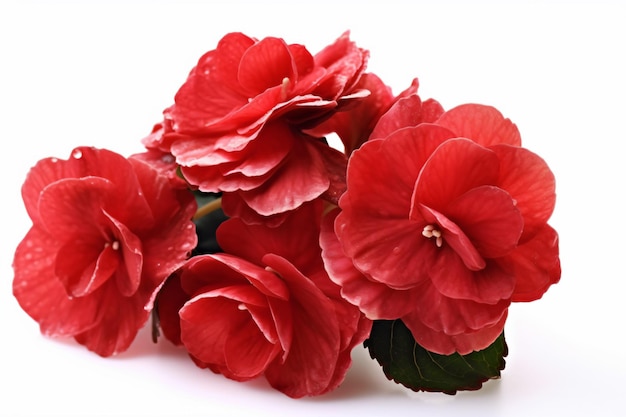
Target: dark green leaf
[{"x": 409, "y": 364}]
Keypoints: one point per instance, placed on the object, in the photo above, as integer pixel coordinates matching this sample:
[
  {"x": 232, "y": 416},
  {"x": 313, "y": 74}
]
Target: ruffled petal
[
  {"x": 455, "y": 167},
  {"x": 310, "y": 365},
  {"x": 463, "y": 344},
  {"x": 406, "y": 112},
  {"x": 491, "y": 219},
  {"x": 119, "y": 320},
  {"x": 375, "y": 300},
  {"x": 529, "y": 181},
  {"x": 484, "y": 125},
  {"x": 265, "y": 64},
  {"x": 65, "y": 201},
  {"x": 40, "y": 293},
  {"x": 454, "y": 280},
  {"x": 300, "y": 178},
  {"x": 296, "y": 238},
  {"x": 535, "y": 264},
  {"x": 454, "y": 316}
]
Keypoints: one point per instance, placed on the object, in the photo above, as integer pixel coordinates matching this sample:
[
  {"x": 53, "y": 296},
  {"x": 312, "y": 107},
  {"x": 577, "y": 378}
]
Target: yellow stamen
[
  {"x": 430, "y": 231},
  {"x": 285, "y": 87}
]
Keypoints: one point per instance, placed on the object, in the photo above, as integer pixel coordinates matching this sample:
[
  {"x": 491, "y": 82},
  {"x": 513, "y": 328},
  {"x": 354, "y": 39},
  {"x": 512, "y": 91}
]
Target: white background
[{"x": 87, "y": 73}]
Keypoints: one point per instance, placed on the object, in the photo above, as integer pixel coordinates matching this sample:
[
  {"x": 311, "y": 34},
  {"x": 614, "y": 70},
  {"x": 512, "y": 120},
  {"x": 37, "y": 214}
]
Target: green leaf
[{"x": 407, "y": 363}]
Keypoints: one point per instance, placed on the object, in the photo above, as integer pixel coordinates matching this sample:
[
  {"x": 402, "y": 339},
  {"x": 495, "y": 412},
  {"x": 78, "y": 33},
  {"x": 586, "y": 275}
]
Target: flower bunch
[{"x": 263, "y": 251}]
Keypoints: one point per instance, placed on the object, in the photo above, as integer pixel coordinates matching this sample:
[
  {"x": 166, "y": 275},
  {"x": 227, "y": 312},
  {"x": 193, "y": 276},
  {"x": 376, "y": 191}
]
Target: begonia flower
[
  {"x": 265, "y": 307},
  {"x": 443, "y": 225},
  {"x": 239, "y": 122},
  {"x": 107, "y": 231}
]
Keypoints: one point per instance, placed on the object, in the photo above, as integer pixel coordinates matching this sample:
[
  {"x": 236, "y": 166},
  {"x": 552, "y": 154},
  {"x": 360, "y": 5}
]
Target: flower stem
[{"x": 208, "y": 208}]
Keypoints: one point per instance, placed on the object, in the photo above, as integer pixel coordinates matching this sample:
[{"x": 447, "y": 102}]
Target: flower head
[
  {"x": 239, "y": 121},
  {"x": 265, "y": 307},
  {"x": 106, "y": 233},
  {"x": 448, "y": 229}
]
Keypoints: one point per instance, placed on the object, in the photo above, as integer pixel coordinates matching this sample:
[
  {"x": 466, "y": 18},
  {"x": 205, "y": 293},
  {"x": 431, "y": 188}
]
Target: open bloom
[
  {"x": 443, "y": 225},
  {"x": 265, "y": 307},
  {"x": 238, "y": 123},
  {"x": 106, "y": 233}
]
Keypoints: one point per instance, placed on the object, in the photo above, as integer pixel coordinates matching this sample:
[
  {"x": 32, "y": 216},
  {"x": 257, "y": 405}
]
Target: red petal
[
  {"x": 212, "y": 90},
  {"x": 489, "y": 216},
  {"x": 300, "y": 178},
  {"x": 128, "y": 278},
  {"x": 83, "y": 266},
  {"x": 65, "y": 201},
  {"x": 210, "y": 272},
  {"x": 120, "y": 318},
  {"x": 247, "y": 352},
  {"x": 234, "y": 206},
  {"x": 484, "y": 125},
  {"x": 314, "y": 351},
  {"x": 345, "y": 62},
  {"x": 41, "y": 294},
  {"x": 463, "y": 344},
  {"x": 170, "y": 300},
  {"x": 454, "y": 280},
  {"x": 266, "y": 64},
  {"x": 535, "y": 264},
  {"x": 397, "y": 161},
  {"x": 44, "y": 173},
  {"x": 205, "y": 324},
  {"x": 454, "y": 316},
  {"x": 530, "y": 182},
  {"x": 455, "y": 167},
  {"x": 406, "y": 112},
  {"x": 296, "y": 238},
  {"x": 377, "y": 301}
]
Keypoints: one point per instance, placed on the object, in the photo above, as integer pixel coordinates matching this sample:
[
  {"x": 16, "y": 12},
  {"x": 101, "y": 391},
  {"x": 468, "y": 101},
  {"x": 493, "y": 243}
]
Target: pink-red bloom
[
  {"x": 106, "y": 233},
  {"x": 238, "y": 122},
  {"x": 443, "y": 225},
  {"x": 265, "y": 307}
]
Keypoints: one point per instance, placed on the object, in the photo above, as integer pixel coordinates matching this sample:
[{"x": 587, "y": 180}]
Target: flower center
[{"x": 430, "y": 231}]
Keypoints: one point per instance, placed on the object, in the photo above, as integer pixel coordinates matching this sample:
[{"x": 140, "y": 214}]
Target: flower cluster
[{"x": 263, "y": 251}]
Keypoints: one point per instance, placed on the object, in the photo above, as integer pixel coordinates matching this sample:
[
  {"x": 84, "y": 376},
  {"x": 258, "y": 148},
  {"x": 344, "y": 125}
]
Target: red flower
[
  {"x": 238, "y": 122},
  {"x": 443, "y": 226},
  {"x": 106, "y": 233},
  {"x": 266, "y": 307}
]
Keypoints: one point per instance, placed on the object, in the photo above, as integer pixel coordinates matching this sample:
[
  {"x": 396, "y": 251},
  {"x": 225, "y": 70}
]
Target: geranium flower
[
  {"x": 238, "y": 123},
  {"x": 443, "y": 225},
  {"x": 106, "y": 233},
  {"x": 265, "y": 307}
]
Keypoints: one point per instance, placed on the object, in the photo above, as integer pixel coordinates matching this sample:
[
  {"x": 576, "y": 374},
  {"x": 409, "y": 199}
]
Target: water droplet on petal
[
  {"x": 77, "y": 154},
  {"x": 54, "y": 160}
]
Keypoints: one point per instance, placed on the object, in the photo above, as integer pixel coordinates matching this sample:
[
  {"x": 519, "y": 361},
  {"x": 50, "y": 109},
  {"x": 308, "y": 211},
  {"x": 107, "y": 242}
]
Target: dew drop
[
  {"x": 77, "y": 154},
  {"x": 167, "y": 159},
  {"x": 54, "y": 160}
]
